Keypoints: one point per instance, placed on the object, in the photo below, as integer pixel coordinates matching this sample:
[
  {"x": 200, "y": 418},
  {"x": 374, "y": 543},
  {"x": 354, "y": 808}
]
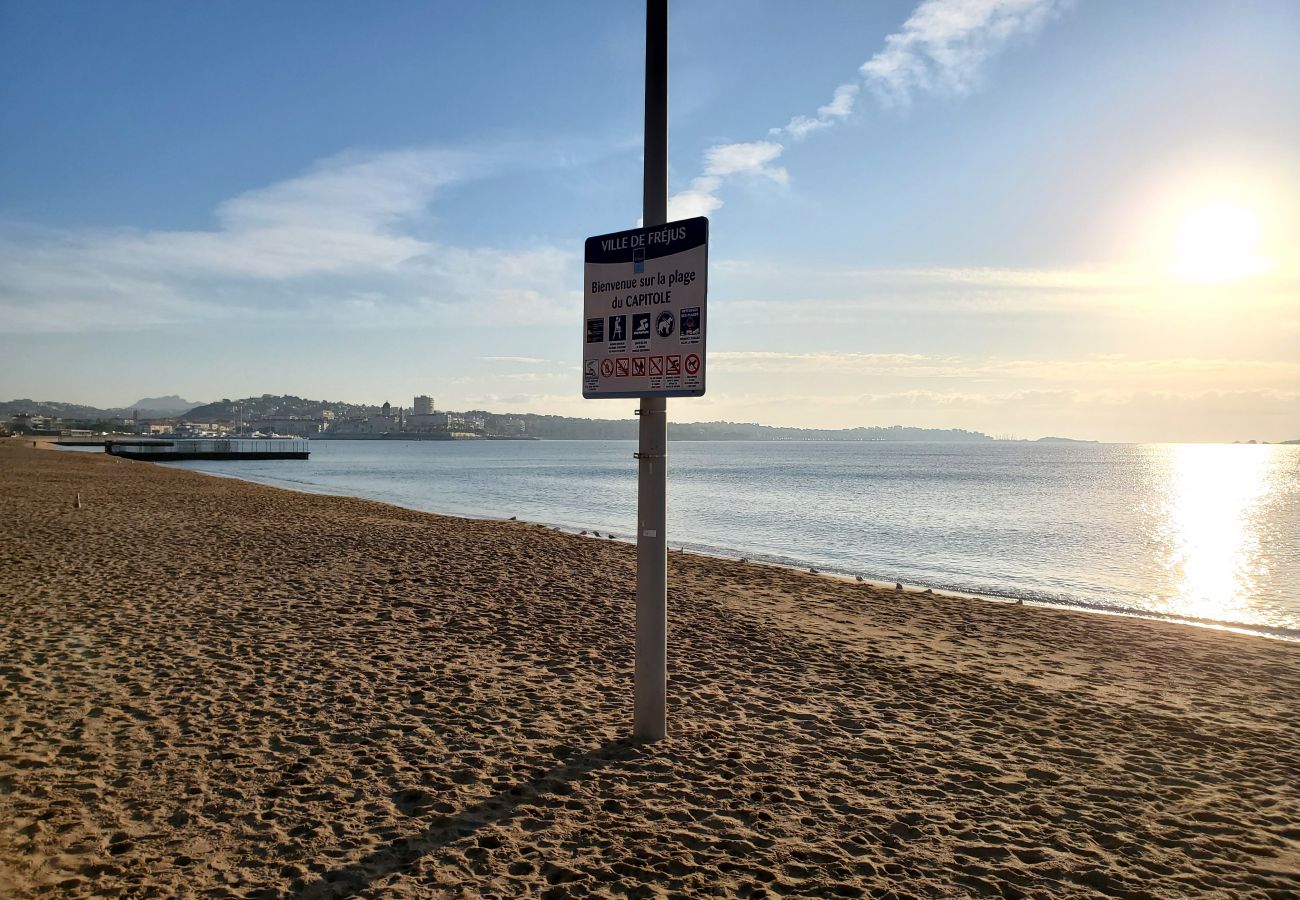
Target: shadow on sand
[{"x": 403, "y": 853}]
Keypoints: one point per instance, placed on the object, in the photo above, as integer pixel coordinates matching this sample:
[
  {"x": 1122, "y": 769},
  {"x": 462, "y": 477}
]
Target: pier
[
  {"x": 99, "y": 442},
  {"x": 209, "y": 448}
]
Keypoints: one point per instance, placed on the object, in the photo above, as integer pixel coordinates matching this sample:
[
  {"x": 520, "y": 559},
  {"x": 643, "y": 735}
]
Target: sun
[{"x": 1219, "y": 243}]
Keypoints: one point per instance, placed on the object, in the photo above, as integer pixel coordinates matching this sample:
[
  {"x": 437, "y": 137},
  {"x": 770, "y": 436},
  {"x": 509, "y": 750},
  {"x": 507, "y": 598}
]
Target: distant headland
[{"x": 286, "y": 414}]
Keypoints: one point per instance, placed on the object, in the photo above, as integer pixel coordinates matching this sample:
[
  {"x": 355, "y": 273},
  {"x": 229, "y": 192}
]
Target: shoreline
[
  {"x": 1274, "y": 632},
  {"x": 224, "y": 688}
]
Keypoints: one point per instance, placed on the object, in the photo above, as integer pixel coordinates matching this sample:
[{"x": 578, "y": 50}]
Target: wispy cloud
[
  {"x": 341, "y": 242},
  {"x": 337, "y": 243},
  {"x": 840, "y": 107},
  {"x": 942, "y": 47},
  {"x": 351, "y": 191},
  {"x": 722, "y": 161},
  {"x": 759, "y": 291},
  {"x": 752, "y": 158},
  {"x": 944, "y": 43}
]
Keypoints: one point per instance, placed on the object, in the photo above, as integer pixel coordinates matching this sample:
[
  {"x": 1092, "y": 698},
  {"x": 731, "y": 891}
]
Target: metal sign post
[
  {"x": 650, "y": 715},
  {"x": 645, "y": 313}
]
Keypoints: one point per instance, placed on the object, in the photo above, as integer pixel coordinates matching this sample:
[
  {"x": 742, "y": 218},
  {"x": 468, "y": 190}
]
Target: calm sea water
[{"x": 1207, "y": 532}]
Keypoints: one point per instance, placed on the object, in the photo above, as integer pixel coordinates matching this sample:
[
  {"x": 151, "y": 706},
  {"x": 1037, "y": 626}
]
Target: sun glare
[
  {"x": 1219, "y": 243},
  {"x": 1213, "y": 526}
]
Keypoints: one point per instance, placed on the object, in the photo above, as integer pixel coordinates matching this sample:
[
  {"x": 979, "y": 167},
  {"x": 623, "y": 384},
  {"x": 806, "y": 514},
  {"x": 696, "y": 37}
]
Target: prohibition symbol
[
  {"x": 692, "y": 364},
  {"x": 607, "y": 367}
]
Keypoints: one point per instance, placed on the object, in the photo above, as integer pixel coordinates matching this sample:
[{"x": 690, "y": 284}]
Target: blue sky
[{"x": 1017, "y": 216}]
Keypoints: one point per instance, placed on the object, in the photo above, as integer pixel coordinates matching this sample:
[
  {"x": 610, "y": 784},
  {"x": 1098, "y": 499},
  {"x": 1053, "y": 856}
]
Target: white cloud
[
  {"x": 941, "y": 47},
  {"x": 722, "y": 161},
  {"x": 335, "y": 244},
  {"x": 349, "y": 192},
  {"x": 840, "y": 107},
  {"x": 841, "y": 103},
  {"x": 944, "y": 43},
  {"x": 699, "y": 199},
  {"x": 759, "y": 292},
  {"x": 750, "y": 159}
]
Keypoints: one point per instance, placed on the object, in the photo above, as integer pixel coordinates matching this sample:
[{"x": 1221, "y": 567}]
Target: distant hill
[
  {"x": 52, "y": 408},
  {"x": 271, "y": 406},
  {"x": 565, "y": 428},
  {"x": 286, "y": 406},
  {"x": 171, "y": 405},
  {"x": 1061, "y": 440},
  {"x": 149, "y": 408}
]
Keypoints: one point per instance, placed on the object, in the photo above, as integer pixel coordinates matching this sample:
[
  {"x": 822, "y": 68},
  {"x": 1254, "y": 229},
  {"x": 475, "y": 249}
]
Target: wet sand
[{"x": 219, "y": 689}]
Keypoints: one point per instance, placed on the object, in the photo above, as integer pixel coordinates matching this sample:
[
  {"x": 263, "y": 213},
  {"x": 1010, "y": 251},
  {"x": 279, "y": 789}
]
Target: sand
[{"x": 218, "y": 689}]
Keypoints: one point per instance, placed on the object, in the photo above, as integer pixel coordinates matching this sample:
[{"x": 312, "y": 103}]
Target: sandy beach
[{"x": 219, "y": 689}]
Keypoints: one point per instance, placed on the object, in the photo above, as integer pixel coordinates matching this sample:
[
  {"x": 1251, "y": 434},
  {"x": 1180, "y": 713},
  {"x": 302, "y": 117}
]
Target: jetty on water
[
  {"x": 99, "y": 442},
  {"x": 209, "y": 448}
]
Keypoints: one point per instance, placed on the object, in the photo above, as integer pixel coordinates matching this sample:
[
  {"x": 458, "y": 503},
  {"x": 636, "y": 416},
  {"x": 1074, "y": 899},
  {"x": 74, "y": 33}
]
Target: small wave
[{"x": 1002, "y": 593}]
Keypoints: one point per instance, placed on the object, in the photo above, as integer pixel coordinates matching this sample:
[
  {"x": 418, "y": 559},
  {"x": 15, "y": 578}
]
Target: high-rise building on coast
[{"x": 423, "y": 405}]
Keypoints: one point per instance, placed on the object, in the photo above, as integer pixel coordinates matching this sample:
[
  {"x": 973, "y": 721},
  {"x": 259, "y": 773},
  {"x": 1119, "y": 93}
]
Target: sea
[{"x": 1205, "y": 533}]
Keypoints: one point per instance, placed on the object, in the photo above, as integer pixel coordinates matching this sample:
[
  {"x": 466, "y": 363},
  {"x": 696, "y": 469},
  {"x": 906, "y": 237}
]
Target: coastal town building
[
  {"x": 426, "y": 423},
  {"x": 271, "y": 415},
  {"x": 291, "y": 425},
  {"x": 367, "y": 425},
  {"x": 201, "y": 429}
]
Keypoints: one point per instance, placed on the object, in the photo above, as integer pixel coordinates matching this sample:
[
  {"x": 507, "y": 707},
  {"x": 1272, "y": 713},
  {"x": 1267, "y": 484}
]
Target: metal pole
[{"x": 650, "y": 718}]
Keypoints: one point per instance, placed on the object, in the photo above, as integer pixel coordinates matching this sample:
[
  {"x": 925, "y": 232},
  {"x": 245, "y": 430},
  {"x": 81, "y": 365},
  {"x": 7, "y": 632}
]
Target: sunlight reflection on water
[{"x": 1212, "y": 522}]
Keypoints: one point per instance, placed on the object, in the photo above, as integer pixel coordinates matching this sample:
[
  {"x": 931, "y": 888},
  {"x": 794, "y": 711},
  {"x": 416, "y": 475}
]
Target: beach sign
[{"x": 644, "y": 311}]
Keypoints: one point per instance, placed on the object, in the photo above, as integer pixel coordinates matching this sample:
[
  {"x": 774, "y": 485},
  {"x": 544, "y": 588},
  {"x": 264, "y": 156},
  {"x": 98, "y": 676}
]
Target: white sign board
[{"x": 644, "y": 311}]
